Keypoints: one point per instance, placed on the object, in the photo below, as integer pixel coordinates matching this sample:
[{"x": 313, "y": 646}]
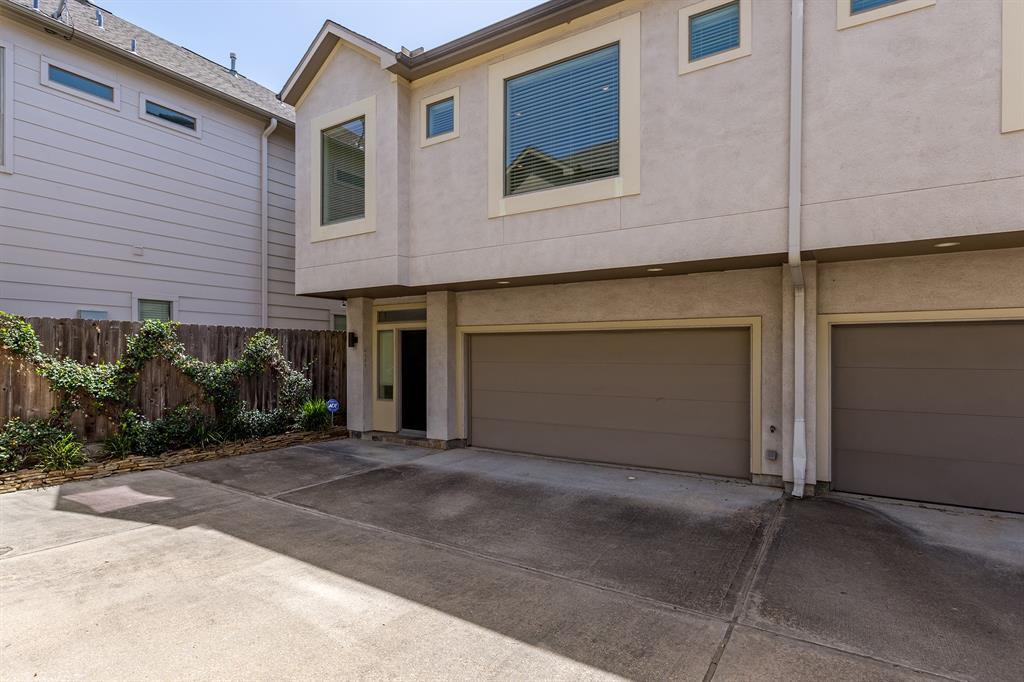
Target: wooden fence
[{"x": 24, "y": 394}]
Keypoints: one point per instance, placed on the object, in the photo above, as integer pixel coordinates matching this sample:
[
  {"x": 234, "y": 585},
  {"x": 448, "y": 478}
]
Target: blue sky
[{"x": 270, "y": 36}]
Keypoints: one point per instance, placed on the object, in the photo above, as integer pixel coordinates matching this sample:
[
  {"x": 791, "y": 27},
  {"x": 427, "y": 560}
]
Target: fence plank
[{"x": 162, "y": 387}]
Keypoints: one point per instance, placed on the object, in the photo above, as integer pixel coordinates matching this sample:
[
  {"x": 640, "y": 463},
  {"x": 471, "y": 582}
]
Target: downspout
[
  {"x": 265, "y": 220},
  {"x": 796, "y": 86}
]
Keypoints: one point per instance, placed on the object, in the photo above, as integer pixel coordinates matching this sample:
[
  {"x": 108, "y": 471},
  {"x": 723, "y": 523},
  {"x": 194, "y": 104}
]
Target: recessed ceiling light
[
  {"x": 655, "y": 269},
  {"x": 946, "y": 245},
  {"x": 504, "y": 281}
]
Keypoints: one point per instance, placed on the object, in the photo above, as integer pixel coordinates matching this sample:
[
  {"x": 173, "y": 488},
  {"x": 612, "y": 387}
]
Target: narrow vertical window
[
  {"x": 562, "y": 123},
  {"x": 386, "y": 364},
  {"x": 343, "y": 172}
]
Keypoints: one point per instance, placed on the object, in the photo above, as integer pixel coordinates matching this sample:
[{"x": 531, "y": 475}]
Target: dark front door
[{"x": 414, "y": 380}]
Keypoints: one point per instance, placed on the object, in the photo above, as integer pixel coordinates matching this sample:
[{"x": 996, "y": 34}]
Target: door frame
[
  {"x": 385, "y": 412},
  {"x": 751, "y": 323},
  {"x": 823, "y": 400}
]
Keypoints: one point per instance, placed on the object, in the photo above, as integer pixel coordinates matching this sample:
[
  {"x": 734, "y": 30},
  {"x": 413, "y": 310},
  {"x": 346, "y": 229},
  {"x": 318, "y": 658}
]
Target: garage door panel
[
  {"x": 949, "y": 481},
  {"x": 931, "y": 435},
  {"x": 718, "y": 419},
  {"x": 967, "y": 346},
  {"x": 708, "y": 346},
  {"x": 676, "y": 399},
  {"x": 722, "y": 456},
  {"x": 680, "y": 382},
  {"x": 931, "y": 412},
  {"x": 936, "y": 390}
]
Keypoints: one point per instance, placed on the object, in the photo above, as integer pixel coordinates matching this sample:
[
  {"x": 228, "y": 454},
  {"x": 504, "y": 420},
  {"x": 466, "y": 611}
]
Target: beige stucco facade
[{"x": 903, "y": 153}]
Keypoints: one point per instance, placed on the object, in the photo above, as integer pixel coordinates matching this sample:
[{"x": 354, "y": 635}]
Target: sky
[{"x": 270, "y": 36}]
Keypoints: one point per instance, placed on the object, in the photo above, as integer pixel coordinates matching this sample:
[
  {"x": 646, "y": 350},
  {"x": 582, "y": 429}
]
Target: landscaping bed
[{"x": 25, "y": 479}]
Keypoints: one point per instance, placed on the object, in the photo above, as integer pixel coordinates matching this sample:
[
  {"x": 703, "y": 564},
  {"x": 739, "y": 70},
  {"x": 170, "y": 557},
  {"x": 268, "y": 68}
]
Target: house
[
  {"x": 779, "y": 241},
  {"x": 139, "y": 179}
]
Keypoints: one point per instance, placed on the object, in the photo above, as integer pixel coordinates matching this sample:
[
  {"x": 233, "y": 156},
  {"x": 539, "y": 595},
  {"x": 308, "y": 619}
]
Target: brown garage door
[
  {"x": 669, "y": 399},
  {"x": 931, "y": 412}
]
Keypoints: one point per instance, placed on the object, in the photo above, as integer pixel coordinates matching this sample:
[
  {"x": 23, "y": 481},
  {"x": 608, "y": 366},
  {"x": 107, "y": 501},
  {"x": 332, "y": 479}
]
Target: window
[
  {"x": 92, "y": 314},
  {"x": 176, "y": 118},
  {"x": 713, "y": 32},
  {"x": 410, "y": 315},
  {"x": 339, "y": 322},
  {"x": 386, "y": 364},
  {"x": 851, "y": 13},
  {"x": 6, "y": 107},
  {"x": 79, "y": 83},
  {"x": 150, "y": 309},
  {"x": 564, "y": 121},
  {"x": 439, "y": 114},
  {"x": 343, "y": 144}
]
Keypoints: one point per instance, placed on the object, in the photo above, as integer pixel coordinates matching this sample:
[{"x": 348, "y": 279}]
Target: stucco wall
[
  {"x": 755, "y": 292},
  {"x": 901, "y": 143}
]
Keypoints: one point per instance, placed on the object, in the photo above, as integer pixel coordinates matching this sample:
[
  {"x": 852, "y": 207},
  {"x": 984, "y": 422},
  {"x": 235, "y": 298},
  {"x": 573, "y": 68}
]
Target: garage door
[
  {"x": 668, "y": 399},
  {"x": 931, "y": 412}
]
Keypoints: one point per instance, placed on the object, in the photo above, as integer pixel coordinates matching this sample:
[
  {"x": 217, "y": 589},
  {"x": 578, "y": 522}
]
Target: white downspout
[
  {"x": 265, "y": 221},
  {"x": 796, "y": 87}
]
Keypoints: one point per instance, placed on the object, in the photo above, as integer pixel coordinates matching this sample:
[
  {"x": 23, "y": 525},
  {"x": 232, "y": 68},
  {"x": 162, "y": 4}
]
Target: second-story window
[
  {"x": 562, "y": 123},
  {"x": 441, "y": 117},
  {"x": 170, "y": 115},
  {"x": 857, "y": 6},
  {"x": 343, "y": 172},
  {"x": 715, "y": 31},
  {"x": 76, "y": 82}
]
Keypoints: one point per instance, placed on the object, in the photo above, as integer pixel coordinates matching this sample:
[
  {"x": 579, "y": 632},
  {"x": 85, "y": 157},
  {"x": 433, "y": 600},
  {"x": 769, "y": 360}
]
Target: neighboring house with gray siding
[
  {"x": 780, "y": 240},
  {"x": 131, "y": 182}
]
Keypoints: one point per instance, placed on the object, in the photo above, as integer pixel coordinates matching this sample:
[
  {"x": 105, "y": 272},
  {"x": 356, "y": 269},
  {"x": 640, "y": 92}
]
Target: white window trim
[
  {"x": 155, "y": 296},
  {"x": 44, "y": 79},
  {"x": 425, "y": 103},
  {"x": 7, "y": 150},
  {"x": 846, "y": 19},
  {"x": 1013, "y": 66},
  {"x": 742, "y": 50},
  {"x": 366, "y": 108},
  {"x": 625, "y": 31},
  {"x": 143, "y": 98}
]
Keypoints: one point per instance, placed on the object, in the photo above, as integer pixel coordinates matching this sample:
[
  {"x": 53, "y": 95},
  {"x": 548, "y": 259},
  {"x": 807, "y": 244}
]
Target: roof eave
[{"x": 46, "y": 22}]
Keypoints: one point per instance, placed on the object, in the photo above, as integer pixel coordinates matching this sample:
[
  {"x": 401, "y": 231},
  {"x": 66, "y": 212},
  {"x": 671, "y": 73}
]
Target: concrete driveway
[{"x": 365, "y": 560}]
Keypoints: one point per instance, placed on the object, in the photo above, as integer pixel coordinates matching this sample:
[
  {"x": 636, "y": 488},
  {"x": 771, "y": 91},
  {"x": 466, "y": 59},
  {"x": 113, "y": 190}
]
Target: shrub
[
  {"x": 118, "y": 445},
  {"x": 315, "y": 415},
  {"x": 21, "y": 440},
  {"x": 62, "y": 453},
  {"x": 257, "y": 424}
]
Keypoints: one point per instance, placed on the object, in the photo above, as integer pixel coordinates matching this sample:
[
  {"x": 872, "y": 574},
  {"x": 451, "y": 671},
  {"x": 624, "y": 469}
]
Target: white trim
[
  {"x": 367, "y": 109},
  {"x": 44, "y": 79},
  {"x": 155, "y": 296},
  {"x": 146, "y": 116},
  {"x": 624, "y": 31},
  {"x": 742, "y": 50},
  {"x": 824, "y": 358},
  {"x": 1013, "y": 66},
  {"x": 453, "y": 94},
  {"x": 7, "y": 104},
  {"x": 846, "y": 19}
]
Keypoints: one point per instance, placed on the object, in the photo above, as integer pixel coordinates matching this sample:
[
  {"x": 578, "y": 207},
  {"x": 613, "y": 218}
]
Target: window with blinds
[
  {"x": 150, "y": 309},
  {"x": 857, "y": 6},
  {"x": 441, "y": 117},
  {"x": 343, "y": 172},
  {"x": 714, "y": 31},
  {"x": 562, "y": 123}
]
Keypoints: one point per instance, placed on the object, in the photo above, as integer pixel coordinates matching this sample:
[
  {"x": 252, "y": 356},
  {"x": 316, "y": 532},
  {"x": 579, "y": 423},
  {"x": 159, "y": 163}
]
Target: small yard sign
[{"x": 332, "y": 407}]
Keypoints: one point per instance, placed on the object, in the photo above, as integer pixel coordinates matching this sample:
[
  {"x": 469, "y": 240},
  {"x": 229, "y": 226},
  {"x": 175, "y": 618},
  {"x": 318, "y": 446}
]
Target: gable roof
[
  {"x": 78, "y": 23},
  {"x": 419, "y": 64}
]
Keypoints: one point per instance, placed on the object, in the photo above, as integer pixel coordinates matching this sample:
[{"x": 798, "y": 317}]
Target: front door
[{"x": 414, "y": 380}]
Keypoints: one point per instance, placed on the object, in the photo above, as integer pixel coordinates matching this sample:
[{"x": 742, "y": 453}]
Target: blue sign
[{"x": 333, "y": 406}]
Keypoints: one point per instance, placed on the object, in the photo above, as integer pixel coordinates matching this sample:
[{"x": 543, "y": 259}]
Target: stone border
[{"x": 37, "y": 478}]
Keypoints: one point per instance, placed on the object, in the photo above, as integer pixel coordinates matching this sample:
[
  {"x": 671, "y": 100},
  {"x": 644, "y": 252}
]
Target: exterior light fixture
[
  {"x": 946, "y": 245},
  {"x": 655, "y": 269},
  {"x": 504, "y": 281}
]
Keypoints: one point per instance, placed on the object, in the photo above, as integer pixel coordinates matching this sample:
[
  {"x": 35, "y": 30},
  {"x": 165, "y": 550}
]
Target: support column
[
  {"x": 359, "y": 366},
  {"x": 441, "y": 337}
]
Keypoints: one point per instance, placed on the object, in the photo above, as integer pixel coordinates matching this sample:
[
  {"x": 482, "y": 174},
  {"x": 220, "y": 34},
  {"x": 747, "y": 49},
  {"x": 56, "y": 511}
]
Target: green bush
[
  {"x": 118, "y": 445},
  {"x": 315, "y": 415},
  {"x": 258, "y": 424},
  {"x": 20, "y": 441},
  {"x": 62, "y": 453}
]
